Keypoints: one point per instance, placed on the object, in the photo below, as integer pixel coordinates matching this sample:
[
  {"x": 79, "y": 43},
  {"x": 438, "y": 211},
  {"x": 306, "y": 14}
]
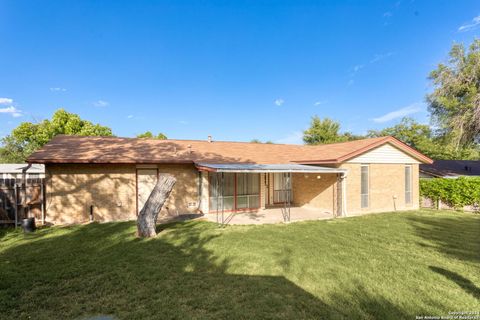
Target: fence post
[{"x": 16, "y": 203}]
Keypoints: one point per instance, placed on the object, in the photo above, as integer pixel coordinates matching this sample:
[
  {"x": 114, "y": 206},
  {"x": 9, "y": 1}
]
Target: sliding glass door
[
  {"x": 241, "y": 191},
  {"x": 248, "y": 190},
  {"x": 228, "y": 198},
  {"x": 282, "y": 188}
]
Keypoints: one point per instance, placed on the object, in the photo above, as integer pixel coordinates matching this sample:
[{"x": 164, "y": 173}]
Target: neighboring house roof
[
  {"x": 451, "y": 168},
  {"x": 18, "y": 167},
  {"x": 78, "y": 149}
]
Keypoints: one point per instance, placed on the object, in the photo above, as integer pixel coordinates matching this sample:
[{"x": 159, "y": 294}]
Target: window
[
  {"x": 228, "y": 191},
  {"x": 408, "y": 184},
  {"x": 282, "y": 188},
  {"x": 240, "y": 191},
  {"x": 248, "y": 190},
  {"x": 364, "y": 186}
]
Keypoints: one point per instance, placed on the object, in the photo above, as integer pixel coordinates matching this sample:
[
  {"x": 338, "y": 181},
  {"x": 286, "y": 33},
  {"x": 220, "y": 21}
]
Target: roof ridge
[{"x": 219, "y": 141}]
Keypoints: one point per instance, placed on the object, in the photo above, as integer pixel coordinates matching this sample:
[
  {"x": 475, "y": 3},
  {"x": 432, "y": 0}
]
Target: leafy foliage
[
  {"x": 324, "y": 131},
  {"x": 423, "y": 138},
  {"x": 150, "y": 135},
  {"x": 464, "y": 191},
  {"x": 29, "y": 137},
  {"x": 455, "y": 102},
  {"x": 259, "y": 141}
]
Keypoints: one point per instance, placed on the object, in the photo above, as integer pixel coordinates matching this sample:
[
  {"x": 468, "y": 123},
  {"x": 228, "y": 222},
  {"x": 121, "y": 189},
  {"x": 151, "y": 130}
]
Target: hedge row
[{"x": 456, "y": 193}]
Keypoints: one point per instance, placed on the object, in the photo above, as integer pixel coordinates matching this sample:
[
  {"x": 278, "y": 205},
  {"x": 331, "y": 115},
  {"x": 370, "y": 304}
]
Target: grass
[{"x": 382, "y": 266}]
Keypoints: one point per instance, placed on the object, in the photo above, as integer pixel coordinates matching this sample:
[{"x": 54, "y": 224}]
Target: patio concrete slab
[{"x": 272, "y": 215}]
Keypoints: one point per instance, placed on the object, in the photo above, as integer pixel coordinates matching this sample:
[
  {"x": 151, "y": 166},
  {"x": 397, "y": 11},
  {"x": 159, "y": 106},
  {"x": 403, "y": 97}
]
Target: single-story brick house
[{"x": 110, "y": 178}]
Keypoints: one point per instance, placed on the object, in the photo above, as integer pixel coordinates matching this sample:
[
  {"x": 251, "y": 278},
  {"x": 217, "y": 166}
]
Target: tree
[
  {"x": 259, "y": 141},
  {"x": 29, "y": 137},
  {"x": 423, "y": 138},
  {"x": 150, "y": 135},
  {"x": 147, "y": 218},
  {"x": 408, "y": 130},
  {"x": 454, "y": 103},
  {"x": 323, "y": 131}
]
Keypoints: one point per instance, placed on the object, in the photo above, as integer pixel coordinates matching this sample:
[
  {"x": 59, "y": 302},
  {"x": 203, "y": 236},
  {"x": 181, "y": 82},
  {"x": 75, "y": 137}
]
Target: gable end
[{"x": 386, "y": 153}]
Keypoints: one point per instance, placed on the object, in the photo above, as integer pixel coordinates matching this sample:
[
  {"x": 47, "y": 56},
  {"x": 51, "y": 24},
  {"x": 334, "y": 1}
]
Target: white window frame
[
  {"x": 408, "y": 191},
  {"x": 366, "y": 195}
]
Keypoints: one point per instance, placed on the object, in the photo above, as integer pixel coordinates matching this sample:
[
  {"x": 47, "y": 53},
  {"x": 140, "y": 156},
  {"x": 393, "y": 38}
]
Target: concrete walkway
[{"x": 272, "y": 215}]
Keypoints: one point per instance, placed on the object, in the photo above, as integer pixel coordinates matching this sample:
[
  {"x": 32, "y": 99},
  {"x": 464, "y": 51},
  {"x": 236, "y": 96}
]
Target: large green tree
[
  {"x": 423, "y": 138},
  {"x": 455, "y": 101},
  {"x": 323, "y": 131},
  {"x": 28, "y": 136},
  {"x": 409, "y": 131},
  {"x": 150, "y": 135}
]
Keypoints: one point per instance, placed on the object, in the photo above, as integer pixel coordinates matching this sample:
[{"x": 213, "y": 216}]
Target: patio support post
[
  {"x": 217, "y": 190},
  {"x": 286, "y": 196},
  {"x": 223, "y": 200}
]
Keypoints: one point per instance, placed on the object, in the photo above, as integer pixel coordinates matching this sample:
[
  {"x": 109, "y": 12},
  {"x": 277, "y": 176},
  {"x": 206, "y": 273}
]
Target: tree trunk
[{"x": 147, "y": 218}]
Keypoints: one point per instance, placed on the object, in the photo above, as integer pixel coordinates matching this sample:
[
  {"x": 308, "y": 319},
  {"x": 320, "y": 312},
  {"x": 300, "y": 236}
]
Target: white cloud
[
  {"x": 130, "y": 116},
  {"x": 377, "y": 57},
  {"x": 318, "y": 103},
  {"x": 475, "y": 23},
  {"x": 400, "y": 113},
  {"x": 279, "y": 102},
  {"x": 380, "y": 56},
  {"x": 358, "y": 67},
  {"x": 183, "y": 122},
  {"x": 387, "y": 14},
  {"x": 101, "y": 103},
  {"x": 57, "y": 89},
  {"x": 295, "y": 137},
  {"x": 6, "y": 101},
  {"x": 14, "y": 112}
]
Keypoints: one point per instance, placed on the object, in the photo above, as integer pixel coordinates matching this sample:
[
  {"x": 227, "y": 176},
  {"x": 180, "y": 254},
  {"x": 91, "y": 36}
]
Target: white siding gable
[{"x": 384, "y": 154}]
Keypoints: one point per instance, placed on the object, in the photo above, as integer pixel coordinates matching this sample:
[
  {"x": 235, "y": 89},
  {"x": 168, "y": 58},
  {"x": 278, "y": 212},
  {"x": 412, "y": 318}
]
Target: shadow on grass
[
  {"x": 455, "y": 237},
  {"x": 102, "y": 269},
  {"x": 467, "y": 285}
]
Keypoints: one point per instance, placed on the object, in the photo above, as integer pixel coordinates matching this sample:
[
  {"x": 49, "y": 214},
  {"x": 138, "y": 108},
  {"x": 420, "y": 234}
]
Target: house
[
  {"x": 110, "y": 178},
  {"x": 450, "y": 169}
]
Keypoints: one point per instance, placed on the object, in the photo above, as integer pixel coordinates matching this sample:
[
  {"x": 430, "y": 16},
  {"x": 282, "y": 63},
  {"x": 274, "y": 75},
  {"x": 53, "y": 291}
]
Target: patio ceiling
[{"x": 264, "y": 168}]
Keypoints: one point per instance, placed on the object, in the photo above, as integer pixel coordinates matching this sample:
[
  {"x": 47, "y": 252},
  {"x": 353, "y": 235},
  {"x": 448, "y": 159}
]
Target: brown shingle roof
[
  {"x": 452, "y": 168},
  {"x": 78, "y": 149}
]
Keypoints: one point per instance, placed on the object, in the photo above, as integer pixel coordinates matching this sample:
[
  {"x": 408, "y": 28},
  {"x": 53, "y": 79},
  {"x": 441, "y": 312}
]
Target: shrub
[{"x": 456, "y": 193}]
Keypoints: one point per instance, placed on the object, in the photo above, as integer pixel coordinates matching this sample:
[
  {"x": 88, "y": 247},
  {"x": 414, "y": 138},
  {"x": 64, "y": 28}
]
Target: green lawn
[{"x": 383, "y": 266}]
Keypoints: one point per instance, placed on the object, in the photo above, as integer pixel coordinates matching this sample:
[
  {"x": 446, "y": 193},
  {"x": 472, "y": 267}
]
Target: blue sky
[{"x": 236, "y": 70}]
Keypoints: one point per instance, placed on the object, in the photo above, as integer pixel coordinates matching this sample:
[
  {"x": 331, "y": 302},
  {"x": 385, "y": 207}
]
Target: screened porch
[{"x": 247, "y": 188}]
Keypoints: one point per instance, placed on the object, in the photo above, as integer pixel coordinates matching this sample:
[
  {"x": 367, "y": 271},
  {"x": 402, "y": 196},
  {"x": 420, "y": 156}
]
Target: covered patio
[
  {"x": 225, "y": 201},
  {"x": 271, "y": 216}
]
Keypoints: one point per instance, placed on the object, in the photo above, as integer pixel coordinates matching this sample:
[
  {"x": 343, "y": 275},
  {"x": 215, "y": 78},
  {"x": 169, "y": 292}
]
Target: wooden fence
[{"x": 22, "y": 199}]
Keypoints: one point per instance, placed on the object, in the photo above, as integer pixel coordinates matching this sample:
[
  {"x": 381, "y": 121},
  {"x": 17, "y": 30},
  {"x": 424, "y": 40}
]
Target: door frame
[{"x": 136, "y": 183}]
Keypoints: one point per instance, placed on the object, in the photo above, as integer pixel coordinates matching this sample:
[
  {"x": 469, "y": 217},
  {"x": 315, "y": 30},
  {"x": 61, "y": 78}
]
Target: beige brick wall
[
  {"x": 263, "y": 195},
  {"x": 386, "y": 181},
  {"x": 111, "y": 189},
  {"x": 315, "y": 193},
  {"x": 186, "y": 189},
  {"x": 72, "y": 189}
]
